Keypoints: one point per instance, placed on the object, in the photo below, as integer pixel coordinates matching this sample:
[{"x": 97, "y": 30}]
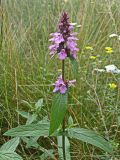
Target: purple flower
[
  {"x": 62, "y": 54},
  {"x": 53, "y": 49},
  {"x": 61, "y": 86},
  {"x": 57, "y": 38},
  {"x": 64, "y": 41}
]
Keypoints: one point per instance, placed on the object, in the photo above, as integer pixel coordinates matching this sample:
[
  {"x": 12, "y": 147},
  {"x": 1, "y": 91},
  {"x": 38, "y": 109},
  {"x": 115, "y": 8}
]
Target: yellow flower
[
  {"x": 108, "y": 49},
  {"x": 89, "y": 48},
  {"x": 93, "y": 57},
  {"x": 112, "y": 85}
]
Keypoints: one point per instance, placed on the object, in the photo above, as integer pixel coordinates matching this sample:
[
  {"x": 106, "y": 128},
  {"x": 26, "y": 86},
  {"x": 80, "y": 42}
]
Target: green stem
[{"x": 63, "y": 124}]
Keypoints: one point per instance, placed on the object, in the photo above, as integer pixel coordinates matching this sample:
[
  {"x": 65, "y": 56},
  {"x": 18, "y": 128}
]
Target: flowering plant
[{"x": 64, "y": 45}]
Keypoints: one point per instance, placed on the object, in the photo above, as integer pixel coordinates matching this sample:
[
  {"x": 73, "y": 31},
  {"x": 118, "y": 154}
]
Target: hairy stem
[{"x": 63, "y": 124}]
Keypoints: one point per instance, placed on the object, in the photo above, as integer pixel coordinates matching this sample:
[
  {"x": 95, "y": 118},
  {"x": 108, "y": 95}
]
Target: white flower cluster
[
  {"x": 109, "y": 69},
  {"x": 114, "y": 35}
]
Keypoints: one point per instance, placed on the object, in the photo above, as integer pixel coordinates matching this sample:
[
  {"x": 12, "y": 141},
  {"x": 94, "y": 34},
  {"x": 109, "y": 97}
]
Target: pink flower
[
  {"x": 57, "y": 38},
  {"x": 53, "y": 49},
  {"x": 62, "y": 54},
  {"x": 61, "y": 86},
  {"x": 64, "y": 41}
]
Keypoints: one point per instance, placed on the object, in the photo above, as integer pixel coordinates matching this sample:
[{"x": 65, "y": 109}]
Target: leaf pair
[{"x": 82, "y": 134}]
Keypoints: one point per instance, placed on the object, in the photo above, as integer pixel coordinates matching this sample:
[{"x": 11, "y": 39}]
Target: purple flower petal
[
  {"x": 62, "y": 55},
  {"x": 73, "y": 38},
  {"x": 57, "y": 38},
  {"x": 56, "y": 89},
  {"x": 63, "y": 89},
  {"x": 70, "y": 83}
]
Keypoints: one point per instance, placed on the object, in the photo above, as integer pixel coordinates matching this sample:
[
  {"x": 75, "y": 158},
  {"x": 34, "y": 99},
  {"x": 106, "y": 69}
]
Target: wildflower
[
  {"x": 89, "y": 48},
  {"x": 108, "y": 49},
  {"x": 64, "y": 41},
  {"x": 113, "y": 35},
  {"x": 93, "y": 57},
  {"x": 112, "y": 85},
  {"x": 61, "y": 86},
  {"x": 112, "y": 69},
  {"x": 109, "y": 69}
]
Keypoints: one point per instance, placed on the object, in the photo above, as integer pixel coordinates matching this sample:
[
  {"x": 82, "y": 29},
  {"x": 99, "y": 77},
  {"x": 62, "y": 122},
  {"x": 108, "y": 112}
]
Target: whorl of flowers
[
  {"x": 61, "y": 86},
  {"x": 64, "y": 41}
]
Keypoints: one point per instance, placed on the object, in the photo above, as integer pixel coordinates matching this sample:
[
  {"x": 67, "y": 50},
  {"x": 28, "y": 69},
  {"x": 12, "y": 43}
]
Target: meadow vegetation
[{"x": 27, "y": 71}]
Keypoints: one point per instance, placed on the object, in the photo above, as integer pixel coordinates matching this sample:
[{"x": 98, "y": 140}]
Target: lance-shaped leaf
[
  {"x": 9, "y": 155},
  {"x": 90, "y": 137},
  {"x": 58, "y": 111},
  {"x": 11, "y": 145},
  {"x": 39, "y": 129}
]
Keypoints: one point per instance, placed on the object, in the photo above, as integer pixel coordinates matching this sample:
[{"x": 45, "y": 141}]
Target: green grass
[{"x": 26, "y": 70}]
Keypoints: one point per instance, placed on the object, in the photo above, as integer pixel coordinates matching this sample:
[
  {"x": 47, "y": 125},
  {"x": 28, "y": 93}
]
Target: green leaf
[
  {"x": 67, "y": 148},
  {"x": 31, "y": 118},
  {"x": 74, "y": 66},
  {"x": 39, "y": 104},
  {"x": 11, "y": 145},
  {"x": 23, "y": 114},
  {"x": 46, "y": 153},
  {"x": 9, "y": 155},
  {"x": 58, "y": 111},
  {"x": 90, "y": 137},
  {"x": 39, "y": 129},
  {"x": 31, "y": 142},
  {"x": 70, "y": 121}
]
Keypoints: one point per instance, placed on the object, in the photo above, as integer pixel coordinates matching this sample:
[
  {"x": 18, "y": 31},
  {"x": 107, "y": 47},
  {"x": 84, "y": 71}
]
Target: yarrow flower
[
  {"x": 113, "y": 35},
  {"x": 64, "y": 41},
  {"x": 61, "y": 86},
  {"x": 112, "y": 69}
]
